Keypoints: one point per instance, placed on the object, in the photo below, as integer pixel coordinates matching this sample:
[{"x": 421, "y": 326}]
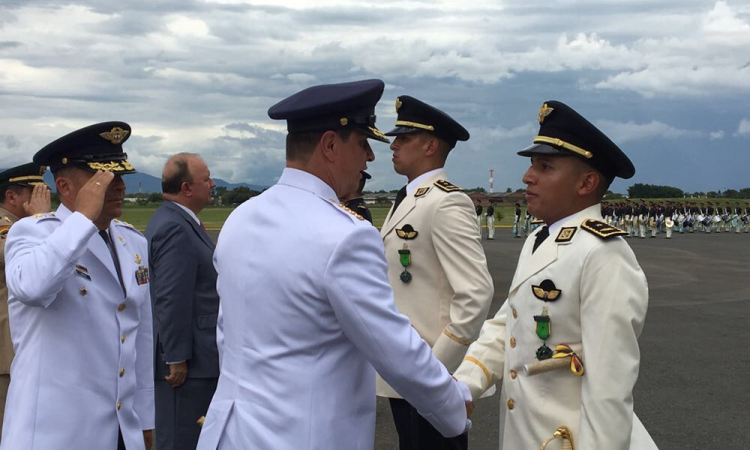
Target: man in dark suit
[
  {"x": 186, "y": 305},
  {"x": 356, "y": 203}
]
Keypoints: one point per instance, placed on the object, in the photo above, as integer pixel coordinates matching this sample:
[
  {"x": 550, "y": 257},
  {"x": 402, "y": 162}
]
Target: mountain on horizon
[{"x": 146, "y": 184}]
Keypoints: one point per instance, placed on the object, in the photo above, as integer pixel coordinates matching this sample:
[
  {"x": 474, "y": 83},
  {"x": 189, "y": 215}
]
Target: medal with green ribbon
[
  {"x": 544, "y": 331},
  {"x": 546, "y": 292},
  {"x": 405, "y": 258}
]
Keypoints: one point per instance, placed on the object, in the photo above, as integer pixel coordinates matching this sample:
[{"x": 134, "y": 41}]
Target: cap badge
[
  {"x": 116, "y": 135},
  {"x": 398, "y": 103},
  {"x": 544, "y": 111},
  {"x": 344, "y": 121}
]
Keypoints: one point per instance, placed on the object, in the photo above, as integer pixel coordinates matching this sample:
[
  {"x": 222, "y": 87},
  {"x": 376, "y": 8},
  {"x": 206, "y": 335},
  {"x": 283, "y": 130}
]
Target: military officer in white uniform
[
  {"x": 80, "y": 310},
  {"x": 307, "y": 313},
  {"x": 22, "y": 193},
  {"x": 577, "y": 283},
  {"x": 436, "y": 263}
]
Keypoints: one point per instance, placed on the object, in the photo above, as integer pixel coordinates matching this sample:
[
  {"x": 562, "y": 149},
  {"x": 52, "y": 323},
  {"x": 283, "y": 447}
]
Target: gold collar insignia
[{"x": 566, "y": 234}]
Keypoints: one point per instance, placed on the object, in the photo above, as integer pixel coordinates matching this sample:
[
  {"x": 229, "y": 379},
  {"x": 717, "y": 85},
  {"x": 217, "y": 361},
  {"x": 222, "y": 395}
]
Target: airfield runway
[{"x": 694, "y": 386}]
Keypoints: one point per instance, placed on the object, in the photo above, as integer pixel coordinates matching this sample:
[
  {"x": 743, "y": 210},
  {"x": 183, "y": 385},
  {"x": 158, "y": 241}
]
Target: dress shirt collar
[
  {"x": 306, "y": 181},
  {"x": 414, "y": 184},
  {"x": 187, "y": 210}
]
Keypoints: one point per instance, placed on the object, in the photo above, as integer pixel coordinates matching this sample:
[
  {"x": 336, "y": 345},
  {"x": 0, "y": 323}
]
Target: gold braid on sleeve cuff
[{"x": 481, "y": 366}]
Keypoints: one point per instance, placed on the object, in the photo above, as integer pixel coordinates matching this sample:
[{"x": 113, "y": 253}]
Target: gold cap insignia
[
  {"x": 116, "y": 135},
  {"x": 344, "y": 121},
  {"x": 544, "y": 111},
  {"x": 65, "y": 160},
  {"x": 398, "y": 103}
]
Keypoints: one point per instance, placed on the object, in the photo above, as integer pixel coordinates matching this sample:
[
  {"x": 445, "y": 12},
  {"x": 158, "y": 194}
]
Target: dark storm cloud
[{"x": 662, "y": 78}]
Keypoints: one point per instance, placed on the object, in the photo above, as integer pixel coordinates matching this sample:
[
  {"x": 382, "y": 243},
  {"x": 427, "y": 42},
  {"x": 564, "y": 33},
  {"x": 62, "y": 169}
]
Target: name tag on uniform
[
  {"x": 141, "y": 275},
  {"x": 82, "y": 272}
]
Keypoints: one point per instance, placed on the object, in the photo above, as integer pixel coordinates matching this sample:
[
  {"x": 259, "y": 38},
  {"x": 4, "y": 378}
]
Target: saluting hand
[
  {"x": 39, "y": 202},
  {"x": 90, "y": 199}
]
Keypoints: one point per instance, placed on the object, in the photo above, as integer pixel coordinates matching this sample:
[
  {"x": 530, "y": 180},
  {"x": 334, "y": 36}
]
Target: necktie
[
  {"x": 105, "y": 235},
  {"x": 399, "y": 198},
  {"x": 540, "y": 237}
]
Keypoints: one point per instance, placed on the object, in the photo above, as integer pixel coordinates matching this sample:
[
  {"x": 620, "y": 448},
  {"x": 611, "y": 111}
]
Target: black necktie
[
  {"x": 105, "y": 235},
  {"x": 540, "y": 237},
  {"x": 399, "y": 198}
]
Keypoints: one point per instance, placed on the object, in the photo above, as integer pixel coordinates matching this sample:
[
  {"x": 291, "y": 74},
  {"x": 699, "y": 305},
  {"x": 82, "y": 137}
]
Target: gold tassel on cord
[{"x": 564, "y": 434}]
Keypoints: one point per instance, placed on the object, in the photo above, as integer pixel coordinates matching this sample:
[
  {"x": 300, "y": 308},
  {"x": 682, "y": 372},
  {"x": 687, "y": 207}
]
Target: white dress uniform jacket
[
  {"x": 307, "y": 315},
  {"x": 600, "y": 314},
  {"x": 84, "y": 359},
  {"x": 451, "y": 289}
]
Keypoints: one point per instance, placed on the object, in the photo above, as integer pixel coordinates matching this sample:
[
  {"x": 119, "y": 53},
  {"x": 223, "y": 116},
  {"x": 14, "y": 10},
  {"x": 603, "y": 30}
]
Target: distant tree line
[{"x": 640, "y": 190}]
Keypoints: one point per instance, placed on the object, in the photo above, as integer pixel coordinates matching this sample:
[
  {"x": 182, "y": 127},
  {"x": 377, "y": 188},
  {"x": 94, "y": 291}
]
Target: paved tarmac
[{"x": 694, "y": 386}]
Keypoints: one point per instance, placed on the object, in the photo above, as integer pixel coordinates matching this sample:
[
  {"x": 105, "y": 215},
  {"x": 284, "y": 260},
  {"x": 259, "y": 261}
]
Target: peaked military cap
[
  {"x": 415, "y": 115},
  {"x": 26, "y": 175},
  {"x": 562, "y": 131},
  {"x": 327, "y": 107},
  {"x": 96, "y": 147}
]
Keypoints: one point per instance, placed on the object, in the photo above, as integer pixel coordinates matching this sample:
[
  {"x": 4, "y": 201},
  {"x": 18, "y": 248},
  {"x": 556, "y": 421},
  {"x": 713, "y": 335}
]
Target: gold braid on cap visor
[
  {"x": 560, "y": 143},
  {"x": 26, "y": 178},
  {"x": 406, "y": 123}
]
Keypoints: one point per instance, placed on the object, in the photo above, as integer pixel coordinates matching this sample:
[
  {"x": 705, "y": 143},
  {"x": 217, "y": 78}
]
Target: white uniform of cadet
[
  {"x": 307, "y": 315},
  {"x": 600, "y": 314},
  {"x": 83, "y": 364},
  {"x": 451, "y": 289}
]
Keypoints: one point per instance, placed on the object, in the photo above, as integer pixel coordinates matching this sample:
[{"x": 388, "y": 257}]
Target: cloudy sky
[{"x": 669, "y": 81}]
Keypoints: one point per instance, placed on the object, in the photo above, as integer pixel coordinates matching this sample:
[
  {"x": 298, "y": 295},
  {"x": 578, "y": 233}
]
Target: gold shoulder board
[
  {"x": 447, "y": 186},
  {"x": 601, "y": 229},
  {"x": 49, "y": 215},
  {"x": 4, "y": 231}
]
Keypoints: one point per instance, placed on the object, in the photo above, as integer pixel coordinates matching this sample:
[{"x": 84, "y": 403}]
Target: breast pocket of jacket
[{"x": 206, "y": 322}]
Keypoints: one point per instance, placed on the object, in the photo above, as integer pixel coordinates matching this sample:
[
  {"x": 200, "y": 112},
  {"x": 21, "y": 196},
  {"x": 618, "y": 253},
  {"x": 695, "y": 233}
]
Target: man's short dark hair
[
  {"x": 171, "y": 180},
  {"x": 16, "y": 188},
  {"x": 300, "y": 146}
]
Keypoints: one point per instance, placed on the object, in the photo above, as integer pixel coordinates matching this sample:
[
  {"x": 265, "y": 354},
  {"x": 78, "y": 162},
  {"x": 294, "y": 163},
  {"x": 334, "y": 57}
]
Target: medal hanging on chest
[
  {"x": 405, "y": 258},
  {"x": 546, "y": 292},
  {"x": 407, "y": 233}
]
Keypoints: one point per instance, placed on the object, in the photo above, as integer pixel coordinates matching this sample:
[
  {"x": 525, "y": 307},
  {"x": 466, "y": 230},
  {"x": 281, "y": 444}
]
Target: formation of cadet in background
[{"x": 640, "y": 219}]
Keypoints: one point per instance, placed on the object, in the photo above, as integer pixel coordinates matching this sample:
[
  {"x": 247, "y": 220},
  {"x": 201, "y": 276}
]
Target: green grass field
[{"x": 214, "y": 216}]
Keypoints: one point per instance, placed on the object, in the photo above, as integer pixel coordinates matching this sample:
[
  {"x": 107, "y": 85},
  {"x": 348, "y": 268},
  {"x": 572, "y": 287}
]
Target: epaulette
[
  {"x": 446, "y": 185},
  {"x": 347, "y": 209},
  {"x": 44, "y": 216},
  {"x": 127, "y": 225},
  {"x": 4, "y": 231},
  {"x": 601, "y": 229}
]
